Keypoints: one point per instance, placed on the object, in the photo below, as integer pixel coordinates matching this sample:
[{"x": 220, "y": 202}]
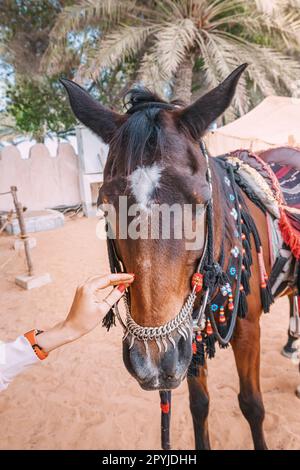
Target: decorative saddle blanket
[
  {"x": 244, "y": 174},
  {"x": 277, "y": 186},
  {"x": 289, "y": 180}
]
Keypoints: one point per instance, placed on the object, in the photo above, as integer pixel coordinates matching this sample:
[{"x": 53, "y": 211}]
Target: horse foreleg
[
  {"x": 289, "y": 349},
  {"x": 246, "y": 347},
  {"x": 199, "y": 406}
]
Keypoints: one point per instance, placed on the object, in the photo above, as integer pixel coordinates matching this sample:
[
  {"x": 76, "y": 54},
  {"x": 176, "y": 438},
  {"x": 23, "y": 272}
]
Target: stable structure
[
  {"x": 44, "y": 181},
  {"x": 92, "y": 153},
  {"x": 273, "y": 123},
  {"x": 56, "y": 175}
]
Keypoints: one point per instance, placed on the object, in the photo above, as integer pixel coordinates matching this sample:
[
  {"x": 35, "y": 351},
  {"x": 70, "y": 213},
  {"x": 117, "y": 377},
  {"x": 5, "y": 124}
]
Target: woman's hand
[{"x": 86, "y": 311}]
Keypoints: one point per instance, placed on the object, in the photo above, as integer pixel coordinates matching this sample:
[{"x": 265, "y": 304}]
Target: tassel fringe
[
  {"x": 245, "y": 281},
  {"x": 198, "y": 359},
  {"x": 109, "y": 320},
  {"x": 265, "y": 299},
  {"x": 243, "y": 305},
  {"x": 247, "y": 249},
  {"x": 210, "y": 347}
]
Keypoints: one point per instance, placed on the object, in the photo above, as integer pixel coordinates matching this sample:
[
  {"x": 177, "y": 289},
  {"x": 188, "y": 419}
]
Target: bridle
[
  {"x": 181, "y": 323},
  {"x": 186, "y": 317}
]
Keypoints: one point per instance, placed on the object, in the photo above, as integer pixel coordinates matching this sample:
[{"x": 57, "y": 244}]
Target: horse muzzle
[{"x": 158, "y": 370}]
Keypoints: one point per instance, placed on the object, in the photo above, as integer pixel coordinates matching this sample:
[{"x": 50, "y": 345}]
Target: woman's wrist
[{"x": 62, "y": 333}]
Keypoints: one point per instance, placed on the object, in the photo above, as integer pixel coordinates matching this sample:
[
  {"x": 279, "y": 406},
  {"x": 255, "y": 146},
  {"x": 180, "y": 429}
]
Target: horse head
[{"x": 155, "y": 162}]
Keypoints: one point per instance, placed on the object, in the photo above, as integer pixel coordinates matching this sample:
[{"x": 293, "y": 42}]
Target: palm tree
[{"x": 169, "y": 39}]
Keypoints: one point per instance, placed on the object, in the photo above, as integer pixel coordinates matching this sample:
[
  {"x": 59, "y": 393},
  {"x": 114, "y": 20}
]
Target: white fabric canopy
[{"x": 274, "y": 122}]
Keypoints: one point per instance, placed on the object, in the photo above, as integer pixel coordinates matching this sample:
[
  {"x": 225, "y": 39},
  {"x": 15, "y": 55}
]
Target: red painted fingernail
[{"x": 121, "y": 287}]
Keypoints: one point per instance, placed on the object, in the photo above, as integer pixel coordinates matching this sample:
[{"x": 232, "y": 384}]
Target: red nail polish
[{"x": 121, "y": 288}]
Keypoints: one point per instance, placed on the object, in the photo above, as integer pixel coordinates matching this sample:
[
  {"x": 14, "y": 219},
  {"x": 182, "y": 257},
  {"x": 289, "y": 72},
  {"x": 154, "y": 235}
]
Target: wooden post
[{"x": 20, "y": 216}]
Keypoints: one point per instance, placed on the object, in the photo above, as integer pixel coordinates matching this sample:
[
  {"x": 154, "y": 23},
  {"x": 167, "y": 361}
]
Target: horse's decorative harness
[
  {"x": 207, "y": 280},
  {"x": 181, "y": 323}
]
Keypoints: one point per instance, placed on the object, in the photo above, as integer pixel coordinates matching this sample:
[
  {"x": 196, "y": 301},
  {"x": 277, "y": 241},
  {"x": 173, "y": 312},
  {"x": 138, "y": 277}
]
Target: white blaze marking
[{"x": 144, "y": 180}]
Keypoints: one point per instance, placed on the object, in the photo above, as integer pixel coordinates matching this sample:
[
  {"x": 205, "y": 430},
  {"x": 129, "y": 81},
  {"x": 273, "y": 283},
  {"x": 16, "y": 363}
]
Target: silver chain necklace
[{"x": 160, "y": 334}]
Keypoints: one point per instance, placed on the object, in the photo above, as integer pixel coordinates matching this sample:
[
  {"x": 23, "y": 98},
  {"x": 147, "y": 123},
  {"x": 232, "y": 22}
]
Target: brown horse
[{"x": 154, "y": 156}]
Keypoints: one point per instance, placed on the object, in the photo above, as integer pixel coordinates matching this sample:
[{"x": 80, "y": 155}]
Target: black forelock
[
  {"x": 140, "y": 95},
  {"x": 141, "y": 137}
]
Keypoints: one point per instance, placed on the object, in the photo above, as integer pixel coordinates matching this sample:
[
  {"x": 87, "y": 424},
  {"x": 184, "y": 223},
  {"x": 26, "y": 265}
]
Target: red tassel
[
  {"x": 290, "y": 236},
  {"x": 199, "y": 337},
  {"x": 197, "y": 282},
  {"x": 209, "y": 330}
]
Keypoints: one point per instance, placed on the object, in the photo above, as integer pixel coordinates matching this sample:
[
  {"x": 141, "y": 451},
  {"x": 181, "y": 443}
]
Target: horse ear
[
  {"x": 91, "y": 113},
  {"x": 198, "y": 116}
]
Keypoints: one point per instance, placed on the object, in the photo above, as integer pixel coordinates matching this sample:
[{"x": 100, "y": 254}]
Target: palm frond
[
  {"x": 8, "y": 130},
  {"x": 115, "y": 47},
  {"x": 149, "y": 73},
  {"x": 292, "y": 4},
  {"x": 84, "y": 13},
  {"x": 212, "y": 10},
  {"x": 268, "y": 69},
  {"x": 222, "y": 60},
  {"x": 171, "y": 43},
  {"x": 224, "y": 33},
  {"x": 276, "y": 7},
  {"x": 285, "y": 27},
  {"x": 87, "y": 12}
]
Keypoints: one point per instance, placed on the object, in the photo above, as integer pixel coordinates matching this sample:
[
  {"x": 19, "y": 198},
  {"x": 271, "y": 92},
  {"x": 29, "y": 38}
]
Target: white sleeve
[{"x": 14, "y": 358}]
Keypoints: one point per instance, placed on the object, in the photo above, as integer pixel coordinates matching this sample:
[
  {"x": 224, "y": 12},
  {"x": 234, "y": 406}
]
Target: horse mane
[
  {"x": 142, "y": 137},
  {"x": 138, "y": 95}
]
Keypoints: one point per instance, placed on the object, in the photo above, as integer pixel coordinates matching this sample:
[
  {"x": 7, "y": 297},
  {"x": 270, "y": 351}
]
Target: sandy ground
[{"x": 82, "y": 396}]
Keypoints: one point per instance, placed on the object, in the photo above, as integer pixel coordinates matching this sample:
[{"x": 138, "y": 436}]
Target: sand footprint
[{"x": 271, "y": 421}]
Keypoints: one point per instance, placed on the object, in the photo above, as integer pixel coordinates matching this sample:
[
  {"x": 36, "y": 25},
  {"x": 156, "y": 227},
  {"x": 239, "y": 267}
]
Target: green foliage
[
  {"x": 39, "y": 107},
  {"x": 24, "y": 31},
  {"x": 35, "y": 102},
  {"x": 33, "y": 105},
  {"x": 27, "y": 14},
  {"x": 109, "y": 88}
]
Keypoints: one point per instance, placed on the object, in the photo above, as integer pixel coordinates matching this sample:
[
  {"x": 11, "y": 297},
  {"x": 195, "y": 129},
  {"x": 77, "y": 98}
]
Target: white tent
[{"x": 274, "y": 122}]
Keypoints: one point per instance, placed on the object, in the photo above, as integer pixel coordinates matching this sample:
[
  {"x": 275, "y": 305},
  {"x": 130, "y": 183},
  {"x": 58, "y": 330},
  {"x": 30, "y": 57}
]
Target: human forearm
[{"x": 56, "y": 336}]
